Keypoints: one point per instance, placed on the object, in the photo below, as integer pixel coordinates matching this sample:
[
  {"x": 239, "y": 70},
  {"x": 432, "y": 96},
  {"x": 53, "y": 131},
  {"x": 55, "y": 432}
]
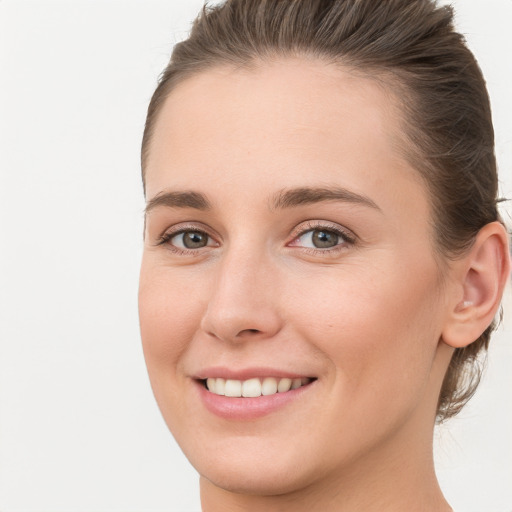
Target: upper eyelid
[
  {"x": 186, "y": 226},
  {"x": 167, "y": 234},
  {"x": 328, "y": 226}
]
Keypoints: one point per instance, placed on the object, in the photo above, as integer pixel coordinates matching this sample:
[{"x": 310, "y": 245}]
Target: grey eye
[
  {"x": 324, "y": 239},
  {"x": 319, "y": 239},
  {"x": 190, "y": 240}
]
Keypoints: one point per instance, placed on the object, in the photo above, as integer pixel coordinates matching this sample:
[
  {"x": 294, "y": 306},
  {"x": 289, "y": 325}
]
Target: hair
[{"x": 410, "y": 45}]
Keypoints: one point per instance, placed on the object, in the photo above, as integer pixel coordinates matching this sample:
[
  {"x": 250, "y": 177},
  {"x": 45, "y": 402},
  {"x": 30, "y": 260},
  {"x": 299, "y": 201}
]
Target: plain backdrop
[{"x": 79, "y": 429}]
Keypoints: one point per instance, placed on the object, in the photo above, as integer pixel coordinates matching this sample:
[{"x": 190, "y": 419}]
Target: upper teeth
[{"x": 253, "y": 387}]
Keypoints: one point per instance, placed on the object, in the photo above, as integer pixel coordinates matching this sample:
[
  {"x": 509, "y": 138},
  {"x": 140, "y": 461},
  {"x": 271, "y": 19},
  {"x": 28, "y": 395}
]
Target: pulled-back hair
[{"x": 410, "y": 45}]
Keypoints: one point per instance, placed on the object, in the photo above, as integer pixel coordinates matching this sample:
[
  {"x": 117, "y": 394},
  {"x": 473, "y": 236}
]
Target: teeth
[
  {"x": 233, "y": 388},
  {"x": 255, "y": 387},
  {"x": 220, "y": 386},
  {"x": 211, "y": 385},
  {"x": 296, "y": 383},
  {"x": 251, "y": 388},
  {"x": 284, "y": 385},
  {"x": 269, "y": 386}
]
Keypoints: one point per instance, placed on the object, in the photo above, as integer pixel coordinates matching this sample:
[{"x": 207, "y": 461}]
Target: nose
[{"x": 243, "y": 303}]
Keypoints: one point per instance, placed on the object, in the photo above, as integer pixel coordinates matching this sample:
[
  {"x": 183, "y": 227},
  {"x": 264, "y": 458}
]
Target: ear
[{"x": 481, "y": 276}]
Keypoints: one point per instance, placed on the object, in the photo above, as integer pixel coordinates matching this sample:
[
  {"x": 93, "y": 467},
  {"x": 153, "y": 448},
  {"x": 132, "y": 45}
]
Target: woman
[{"x": 323, "y": 255}]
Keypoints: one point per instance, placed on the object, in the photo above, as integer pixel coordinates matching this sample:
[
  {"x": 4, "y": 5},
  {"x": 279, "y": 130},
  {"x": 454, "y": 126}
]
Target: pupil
[
  {"x": 194, "y": 239},
  {"x": 324, "y": 239}
]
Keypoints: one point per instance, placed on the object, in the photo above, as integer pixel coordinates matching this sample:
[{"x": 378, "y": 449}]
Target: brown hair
[{"x": 412, "y": 46}]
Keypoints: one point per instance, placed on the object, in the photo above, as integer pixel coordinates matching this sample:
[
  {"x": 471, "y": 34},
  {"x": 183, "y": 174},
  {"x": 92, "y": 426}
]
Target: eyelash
[
  {"x": 347, "y": 239},
  {"x": 166, "y": 237}
]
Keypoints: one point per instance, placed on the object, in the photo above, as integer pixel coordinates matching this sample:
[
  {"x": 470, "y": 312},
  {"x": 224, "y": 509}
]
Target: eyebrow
[
  {"x": 185, "y": 199},
  {"x": 286, "y": 198},
  {"x": 290, "y": 198}
]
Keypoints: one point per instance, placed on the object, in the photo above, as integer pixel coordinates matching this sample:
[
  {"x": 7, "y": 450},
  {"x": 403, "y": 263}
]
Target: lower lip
[{"x": 248, "y": 408}]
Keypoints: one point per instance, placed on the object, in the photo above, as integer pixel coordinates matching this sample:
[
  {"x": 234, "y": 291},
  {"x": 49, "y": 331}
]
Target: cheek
[
  {"x": 378, "y": 328},
  {"x": 169, "y": 317},
  {"x": 169, "y": 314}
]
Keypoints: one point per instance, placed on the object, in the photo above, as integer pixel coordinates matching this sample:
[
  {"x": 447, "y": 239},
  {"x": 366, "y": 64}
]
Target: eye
[
  {"x": 190, "y": 240},
  {"x": 320, "y": 239},
  {"x": 186, "y": 240},
  {"x": 323, "y": 238}
]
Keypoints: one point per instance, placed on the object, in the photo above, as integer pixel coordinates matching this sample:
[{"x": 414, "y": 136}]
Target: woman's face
[{"x": 287, "y": 238}]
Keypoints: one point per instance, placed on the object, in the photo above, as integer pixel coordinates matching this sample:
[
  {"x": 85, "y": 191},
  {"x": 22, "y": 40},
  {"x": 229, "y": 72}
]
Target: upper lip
[{"x": 247, "y": 373}]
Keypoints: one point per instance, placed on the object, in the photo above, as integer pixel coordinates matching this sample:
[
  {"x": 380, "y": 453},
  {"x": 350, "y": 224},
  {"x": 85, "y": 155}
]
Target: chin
[
  {"x": 270, "y": 480},
  {"x": 253, "y": 464}
]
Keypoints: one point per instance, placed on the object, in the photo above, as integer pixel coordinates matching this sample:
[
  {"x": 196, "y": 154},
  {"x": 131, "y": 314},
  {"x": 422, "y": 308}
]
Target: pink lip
[
  {"x": 247, "y": 373},
  {"x": 247, "y": 408}
]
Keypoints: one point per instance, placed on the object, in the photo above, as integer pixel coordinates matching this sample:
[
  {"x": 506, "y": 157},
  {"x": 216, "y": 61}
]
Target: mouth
[
  {"x": 251, "y": 393},
  {"x": 254, "y": 387}
]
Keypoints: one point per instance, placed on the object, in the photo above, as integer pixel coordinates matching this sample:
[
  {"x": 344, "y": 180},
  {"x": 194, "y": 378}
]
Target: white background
[{"x": 79, "y": 429}]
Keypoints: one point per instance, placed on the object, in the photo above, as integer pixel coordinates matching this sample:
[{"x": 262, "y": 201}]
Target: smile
[
  {"x": 254, "y": 387},
  {"x": 254, "y": 394}
]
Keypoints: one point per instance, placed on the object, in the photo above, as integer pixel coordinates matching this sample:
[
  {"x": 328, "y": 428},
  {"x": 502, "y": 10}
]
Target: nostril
[{"x": 248, "y": 331}]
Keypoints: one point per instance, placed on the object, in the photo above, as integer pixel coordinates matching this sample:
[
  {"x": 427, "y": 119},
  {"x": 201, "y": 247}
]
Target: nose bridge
[{"x": 243, "y": 300}]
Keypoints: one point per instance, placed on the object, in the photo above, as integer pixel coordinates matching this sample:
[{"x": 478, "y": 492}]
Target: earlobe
[{"x": 483, "y": 275}]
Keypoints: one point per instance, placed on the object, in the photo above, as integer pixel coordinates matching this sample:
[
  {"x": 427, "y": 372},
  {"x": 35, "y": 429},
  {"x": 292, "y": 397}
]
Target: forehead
[{"x": 290, "y": 122}]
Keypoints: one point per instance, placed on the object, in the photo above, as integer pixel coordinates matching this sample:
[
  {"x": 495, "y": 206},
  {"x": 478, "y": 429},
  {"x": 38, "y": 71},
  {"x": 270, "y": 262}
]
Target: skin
[{"x": 365, "y": 317}]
